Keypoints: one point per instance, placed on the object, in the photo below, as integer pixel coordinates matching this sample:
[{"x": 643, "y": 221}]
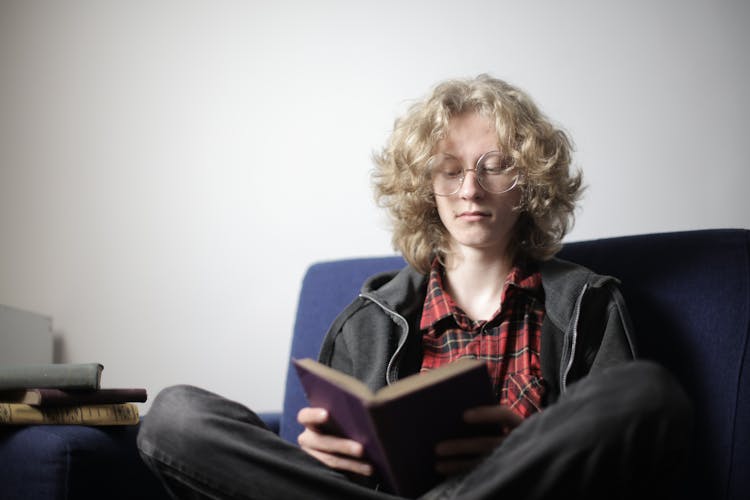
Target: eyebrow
[{"x": 477, "y": 158}]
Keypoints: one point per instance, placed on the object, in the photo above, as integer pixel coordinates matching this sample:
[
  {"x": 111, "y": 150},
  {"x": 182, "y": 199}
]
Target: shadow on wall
[{"x": 59, "y": 352}]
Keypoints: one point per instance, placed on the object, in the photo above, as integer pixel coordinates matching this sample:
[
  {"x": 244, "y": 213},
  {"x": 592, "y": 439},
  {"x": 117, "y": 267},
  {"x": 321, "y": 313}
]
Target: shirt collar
[{"x": 438, "y": 305}]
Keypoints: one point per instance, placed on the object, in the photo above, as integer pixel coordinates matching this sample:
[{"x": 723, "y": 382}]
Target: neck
[{"x": 475, "y": 280}]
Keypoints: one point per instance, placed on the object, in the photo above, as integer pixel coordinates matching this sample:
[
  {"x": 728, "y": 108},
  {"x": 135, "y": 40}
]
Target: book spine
[
  {"x": 21, "y": 414},
  {"x": 59, "y": 376},
  {"x": 59, "y": 397}
]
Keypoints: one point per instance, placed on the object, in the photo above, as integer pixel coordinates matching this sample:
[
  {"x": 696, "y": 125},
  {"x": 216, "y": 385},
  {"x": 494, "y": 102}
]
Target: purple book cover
[
  {"x": 399, "y": 433},
  {"x": 348, "y": 413}
]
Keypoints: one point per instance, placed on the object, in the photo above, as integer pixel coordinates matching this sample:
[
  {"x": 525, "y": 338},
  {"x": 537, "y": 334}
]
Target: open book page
[{"x": 337, "y": 378}]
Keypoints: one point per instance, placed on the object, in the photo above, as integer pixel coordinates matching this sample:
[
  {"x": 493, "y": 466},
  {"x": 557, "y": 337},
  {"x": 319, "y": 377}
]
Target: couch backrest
[{"x": 689, "y": 297}]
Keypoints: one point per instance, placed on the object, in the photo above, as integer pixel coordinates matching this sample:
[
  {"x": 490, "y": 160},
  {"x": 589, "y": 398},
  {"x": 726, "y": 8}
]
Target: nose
[{"x": 470, "y": 187}]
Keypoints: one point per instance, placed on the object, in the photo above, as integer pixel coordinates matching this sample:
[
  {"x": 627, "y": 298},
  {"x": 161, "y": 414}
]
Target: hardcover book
[
  {"x": 400, "y": 425},
  {"x": 60, "y": 397},
  {"x": 58, "y": 376},
  {"x": 21, "y": 414}
]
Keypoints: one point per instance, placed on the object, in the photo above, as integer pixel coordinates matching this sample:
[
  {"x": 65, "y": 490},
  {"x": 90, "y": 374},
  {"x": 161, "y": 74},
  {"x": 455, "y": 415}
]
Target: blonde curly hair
[{"x": 539, "y": 151}]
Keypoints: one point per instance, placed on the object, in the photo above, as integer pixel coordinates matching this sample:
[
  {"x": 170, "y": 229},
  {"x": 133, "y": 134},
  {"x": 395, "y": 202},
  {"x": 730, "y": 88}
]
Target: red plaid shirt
[{"x": 509, "y": 341}]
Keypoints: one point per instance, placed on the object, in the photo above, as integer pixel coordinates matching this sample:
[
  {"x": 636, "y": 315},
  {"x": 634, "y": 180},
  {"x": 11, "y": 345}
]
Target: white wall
[{"x": 169, "y": 168}]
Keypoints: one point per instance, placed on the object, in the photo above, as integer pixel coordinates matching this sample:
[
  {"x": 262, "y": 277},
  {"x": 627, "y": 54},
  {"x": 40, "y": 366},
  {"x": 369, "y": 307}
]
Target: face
[{"x": 477, "y": 221}]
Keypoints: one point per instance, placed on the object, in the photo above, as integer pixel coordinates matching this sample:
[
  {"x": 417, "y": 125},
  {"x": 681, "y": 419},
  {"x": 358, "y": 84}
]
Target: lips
[{"x": 473, "y": 215}]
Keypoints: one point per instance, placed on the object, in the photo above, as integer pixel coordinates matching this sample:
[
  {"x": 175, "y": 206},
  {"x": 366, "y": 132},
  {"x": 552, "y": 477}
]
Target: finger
[
  {"x": 343, "y": 463},
  {"x": 309, "y": 439},
  {"x": 312, "y": 416}
]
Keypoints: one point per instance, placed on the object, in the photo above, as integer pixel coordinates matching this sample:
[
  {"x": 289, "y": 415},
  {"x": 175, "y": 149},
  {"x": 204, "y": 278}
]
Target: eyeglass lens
[{"x": 494, "y": 174}]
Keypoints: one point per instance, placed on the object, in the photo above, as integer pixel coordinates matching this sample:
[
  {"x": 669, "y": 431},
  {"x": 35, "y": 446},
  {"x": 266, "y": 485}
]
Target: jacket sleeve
[
  {"x": 618, "y": 339},
  {"x": 334, "y": 351},
  {"x": 360, "y": 343},
  {"x": 605, "y": 332}
]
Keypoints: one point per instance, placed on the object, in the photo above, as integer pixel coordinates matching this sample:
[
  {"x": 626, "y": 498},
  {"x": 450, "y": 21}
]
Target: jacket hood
[
  {"x": 562, "y": 281},
  {"x": 396, "y": 289}
]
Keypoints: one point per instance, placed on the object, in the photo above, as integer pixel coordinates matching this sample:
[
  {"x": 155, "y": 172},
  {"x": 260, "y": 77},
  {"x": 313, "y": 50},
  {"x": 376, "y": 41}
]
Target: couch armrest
[{"x": 74, "y": 461}]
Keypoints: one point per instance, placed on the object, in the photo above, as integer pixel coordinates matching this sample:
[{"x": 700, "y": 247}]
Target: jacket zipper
[
  {"x": 401, "y": 341},
  {"x": 570, "y": 342}
]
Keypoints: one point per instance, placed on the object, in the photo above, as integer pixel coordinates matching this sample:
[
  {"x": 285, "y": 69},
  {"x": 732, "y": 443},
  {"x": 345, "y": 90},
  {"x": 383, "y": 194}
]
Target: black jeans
[{"x": 622, "y": 433}]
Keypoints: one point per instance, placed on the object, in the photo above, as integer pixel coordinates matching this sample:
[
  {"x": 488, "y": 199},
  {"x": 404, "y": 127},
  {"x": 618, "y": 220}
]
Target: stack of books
[{"x": 64, "y": 394}]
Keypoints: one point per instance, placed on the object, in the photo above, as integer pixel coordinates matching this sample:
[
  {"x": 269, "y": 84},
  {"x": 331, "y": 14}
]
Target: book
[
  {"x": 23, "y": 414},
  {"x": 61, "y": 397},
  {"x": 58, "y": 376},
  {"x": 400, "y": 425}
]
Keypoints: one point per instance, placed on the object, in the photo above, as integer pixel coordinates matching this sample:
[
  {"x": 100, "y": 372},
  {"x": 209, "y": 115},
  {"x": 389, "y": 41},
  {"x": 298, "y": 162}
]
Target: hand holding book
[
  {"x": 457, "y": 456},
  {"x": 336, "y": 452},
  {"x": 398, "y": 429},
  {"x": 454, "y": 456}
]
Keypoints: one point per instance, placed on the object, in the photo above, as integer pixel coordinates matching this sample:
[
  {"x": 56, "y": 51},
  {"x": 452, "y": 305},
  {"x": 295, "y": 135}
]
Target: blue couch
[{"x": 689, "y": 295}]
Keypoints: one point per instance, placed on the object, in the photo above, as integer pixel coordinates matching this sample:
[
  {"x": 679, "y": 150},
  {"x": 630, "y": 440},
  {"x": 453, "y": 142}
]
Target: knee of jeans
[
  {"x": 169, "y": 421},
  {"x": 651, "y": 389}
]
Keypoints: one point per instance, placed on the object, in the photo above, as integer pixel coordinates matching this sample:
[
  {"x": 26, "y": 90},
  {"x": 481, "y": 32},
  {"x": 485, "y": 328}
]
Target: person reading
[{"x": 479, "y": 188}]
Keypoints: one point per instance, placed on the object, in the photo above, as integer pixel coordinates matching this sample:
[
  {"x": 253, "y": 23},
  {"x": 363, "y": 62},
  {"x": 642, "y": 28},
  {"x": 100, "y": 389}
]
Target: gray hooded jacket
[{"x": 586, "y": 327}]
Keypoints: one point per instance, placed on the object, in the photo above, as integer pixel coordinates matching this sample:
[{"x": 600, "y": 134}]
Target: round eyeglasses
[{"x": 494, "y": 172}]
